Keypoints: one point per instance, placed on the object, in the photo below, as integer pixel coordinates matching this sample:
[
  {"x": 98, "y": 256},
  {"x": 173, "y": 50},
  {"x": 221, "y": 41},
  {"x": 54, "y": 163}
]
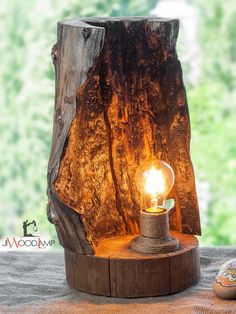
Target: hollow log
[{"x": 120, "y": 100}]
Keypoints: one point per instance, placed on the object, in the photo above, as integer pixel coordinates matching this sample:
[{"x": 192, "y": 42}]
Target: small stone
[{"x": 224, "y": 285}]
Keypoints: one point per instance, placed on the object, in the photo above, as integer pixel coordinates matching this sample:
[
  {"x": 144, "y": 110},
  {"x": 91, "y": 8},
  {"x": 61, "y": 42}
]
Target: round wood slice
[{"x": 115, "y": 270}]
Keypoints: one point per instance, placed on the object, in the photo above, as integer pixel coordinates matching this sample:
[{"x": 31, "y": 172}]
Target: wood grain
[
  {"x": 120, "y": 100},
  {"x": 117, "y": 271}
]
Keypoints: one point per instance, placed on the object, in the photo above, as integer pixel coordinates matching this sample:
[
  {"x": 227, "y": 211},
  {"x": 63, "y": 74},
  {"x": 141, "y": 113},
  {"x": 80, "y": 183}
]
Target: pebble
[{"x": 224, "y": 284}]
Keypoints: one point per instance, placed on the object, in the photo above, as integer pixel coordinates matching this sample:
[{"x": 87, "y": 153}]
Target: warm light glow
[
  {"x": 155, "y": 182},
  {"x": 154, "y": 179},
  {"x": 154, "y": 209}
]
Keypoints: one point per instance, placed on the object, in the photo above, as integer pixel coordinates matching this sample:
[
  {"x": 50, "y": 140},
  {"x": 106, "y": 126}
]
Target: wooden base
[{"x": 115, "y": 270}]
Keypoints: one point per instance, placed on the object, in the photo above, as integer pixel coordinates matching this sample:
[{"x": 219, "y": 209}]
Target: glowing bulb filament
[{"x": 154, "y": 184}]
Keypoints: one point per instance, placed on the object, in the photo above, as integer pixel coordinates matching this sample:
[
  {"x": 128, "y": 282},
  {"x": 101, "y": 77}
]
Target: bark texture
[{"x": 120, "y": 100}]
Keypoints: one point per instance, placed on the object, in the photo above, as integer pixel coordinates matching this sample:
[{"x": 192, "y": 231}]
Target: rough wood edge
[
  {"x": 140, "y": 275},
  {"x": 84, "y": 43}
]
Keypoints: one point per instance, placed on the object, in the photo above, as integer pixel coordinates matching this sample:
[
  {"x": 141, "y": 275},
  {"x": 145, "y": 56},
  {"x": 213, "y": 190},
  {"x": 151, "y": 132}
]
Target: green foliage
[
  {"x": 218, "y": 33},
  {"x": 213, "y": 116}
]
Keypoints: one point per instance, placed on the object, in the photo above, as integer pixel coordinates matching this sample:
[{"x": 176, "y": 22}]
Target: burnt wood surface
[{"x": 120, "y": 100}]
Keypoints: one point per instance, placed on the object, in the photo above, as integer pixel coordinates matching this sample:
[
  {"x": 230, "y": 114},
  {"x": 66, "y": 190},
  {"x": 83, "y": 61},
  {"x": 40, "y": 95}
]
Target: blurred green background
[{"x": 207, "y": 49}]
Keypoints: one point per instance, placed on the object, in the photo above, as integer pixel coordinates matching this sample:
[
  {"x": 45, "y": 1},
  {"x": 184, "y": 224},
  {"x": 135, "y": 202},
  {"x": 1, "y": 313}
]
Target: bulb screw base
[{"x": 154, "y": 234}]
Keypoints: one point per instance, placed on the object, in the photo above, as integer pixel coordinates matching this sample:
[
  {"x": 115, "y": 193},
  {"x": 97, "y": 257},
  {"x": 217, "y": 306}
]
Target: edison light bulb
[{"x": 155, "y": 180}]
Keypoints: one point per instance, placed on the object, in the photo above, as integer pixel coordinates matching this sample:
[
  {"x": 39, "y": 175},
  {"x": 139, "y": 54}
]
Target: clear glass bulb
[{"x": 155, "y": 179}]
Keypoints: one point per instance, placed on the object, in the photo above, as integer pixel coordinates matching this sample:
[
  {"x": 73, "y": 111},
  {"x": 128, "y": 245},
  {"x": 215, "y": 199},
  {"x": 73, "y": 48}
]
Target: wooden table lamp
[{"x": 120, "y": 122}]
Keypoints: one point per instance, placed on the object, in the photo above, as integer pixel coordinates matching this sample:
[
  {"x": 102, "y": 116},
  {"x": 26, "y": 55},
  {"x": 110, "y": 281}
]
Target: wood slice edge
[{"x": 129, "y": 278}]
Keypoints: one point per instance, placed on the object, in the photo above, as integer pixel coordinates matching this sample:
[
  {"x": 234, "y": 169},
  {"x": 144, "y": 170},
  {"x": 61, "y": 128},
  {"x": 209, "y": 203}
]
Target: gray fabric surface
[{"x": 35, "y": 283}]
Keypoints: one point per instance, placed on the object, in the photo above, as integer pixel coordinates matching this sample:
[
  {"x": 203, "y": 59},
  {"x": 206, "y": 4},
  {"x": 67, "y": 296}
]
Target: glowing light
[{"x": 155, "y": 181}]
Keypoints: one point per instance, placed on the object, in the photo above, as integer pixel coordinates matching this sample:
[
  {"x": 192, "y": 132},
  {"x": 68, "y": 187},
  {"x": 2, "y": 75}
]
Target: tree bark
[{"x": 120, "y": 100}]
